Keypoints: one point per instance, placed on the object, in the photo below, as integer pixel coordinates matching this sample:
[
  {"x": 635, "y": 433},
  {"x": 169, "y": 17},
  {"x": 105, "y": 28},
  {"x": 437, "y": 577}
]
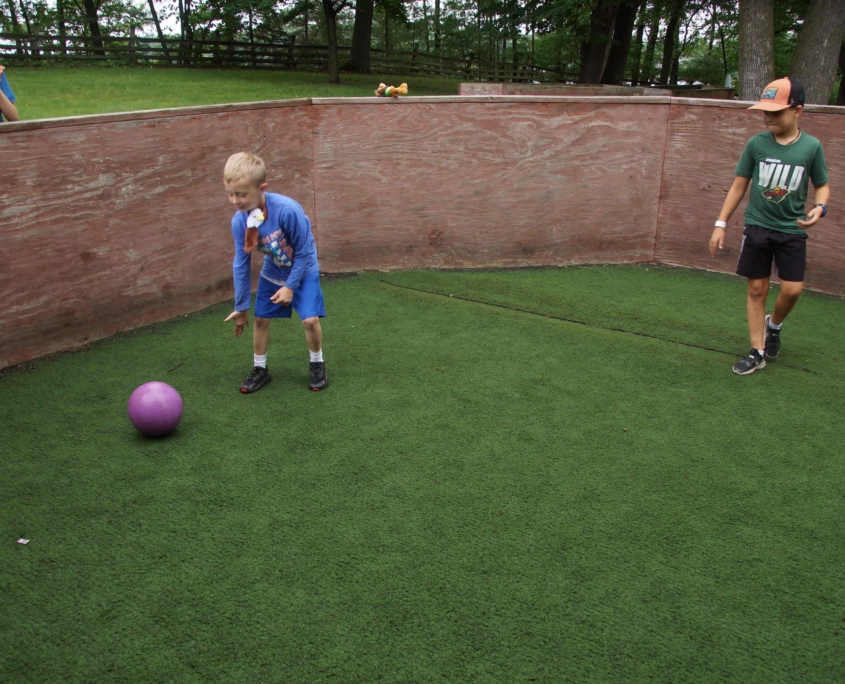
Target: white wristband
[{"x": 721, "y": 224}]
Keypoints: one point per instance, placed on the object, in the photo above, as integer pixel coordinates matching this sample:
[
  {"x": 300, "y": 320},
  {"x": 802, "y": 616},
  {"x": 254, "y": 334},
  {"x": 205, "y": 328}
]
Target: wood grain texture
[
  {"x": 481, "y": 89},
  {"x": 88, "y": 119},
  {"x": 702, "y": 150},
  {"x": 468, "y": 184},
  {"x": 566, "y": 89},
  {"x": 112, "y": 225}
]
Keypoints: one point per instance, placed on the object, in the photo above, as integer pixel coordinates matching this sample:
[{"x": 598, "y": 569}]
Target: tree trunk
[
  {"x": 94, "y": 26},
  {"x": 425, "y": 23},
  {"x": 60, "y": 20},
  {"x": 25, "y": 15},
  {"x": 331, "y": 34},
  {"x": 651, "y": 43},
  {"x": 637, "y": 50},
  {"x": 14, "y": 14},
  {"x": 756, "y": 47},
  {"x": 362, "y": 35},
  {"x": 182, "y": 32},
  {"x": 15, "y": 26},
  {"x": 437, "y": 26},
  {"x": 595, "y": 49},
  {"x": 840, "y": 98},
  {"x": 186, "y": 31},
  {"x": 617, "y": 60},
  {"x": 670, "y": 40},
  {"x": 711, "y": 31},
  {"x": 676, "y": 66},
  {"x": 819, "y": 43},
  {"x": 158, "y": 30}
]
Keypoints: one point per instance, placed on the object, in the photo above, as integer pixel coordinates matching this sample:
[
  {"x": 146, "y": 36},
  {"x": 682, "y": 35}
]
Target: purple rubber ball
[{"x": 155, "y": 409}]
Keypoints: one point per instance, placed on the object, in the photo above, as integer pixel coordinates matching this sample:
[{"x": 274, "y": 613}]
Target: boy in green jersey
[{"x": 778, "y": 165}]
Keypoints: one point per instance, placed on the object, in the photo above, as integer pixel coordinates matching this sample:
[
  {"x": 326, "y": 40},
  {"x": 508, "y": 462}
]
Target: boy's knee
[
  {"x": 262, "y": 322},
  {"x": 791, "y": 290},
  {"x": 758, "y": 289},
  {"x": 311, "y": 323}
]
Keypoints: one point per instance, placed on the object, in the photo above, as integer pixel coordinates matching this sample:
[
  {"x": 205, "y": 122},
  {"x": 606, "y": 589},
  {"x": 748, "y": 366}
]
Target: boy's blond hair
[{"x": 245, "y": 166}]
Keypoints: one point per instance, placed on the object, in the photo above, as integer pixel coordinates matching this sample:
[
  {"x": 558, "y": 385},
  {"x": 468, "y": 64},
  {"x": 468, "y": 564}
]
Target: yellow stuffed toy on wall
[{"x": 391, "y": 91}]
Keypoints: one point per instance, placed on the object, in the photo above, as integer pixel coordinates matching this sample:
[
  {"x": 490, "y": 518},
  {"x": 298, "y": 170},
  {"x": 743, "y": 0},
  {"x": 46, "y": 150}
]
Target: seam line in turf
[{"x": 577, "y": 322}]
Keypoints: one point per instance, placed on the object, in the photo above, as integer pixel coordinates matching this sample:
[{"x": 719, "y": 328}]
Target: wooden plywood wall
[{"x": 112, "y": 222}]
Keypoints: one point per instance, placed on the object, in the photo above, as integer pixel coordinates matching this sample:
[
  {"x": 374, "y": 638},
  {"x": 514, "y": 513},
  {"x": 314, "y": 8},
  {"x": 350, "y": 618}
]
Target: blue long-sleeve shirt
[{"x": 284, "y": 238}]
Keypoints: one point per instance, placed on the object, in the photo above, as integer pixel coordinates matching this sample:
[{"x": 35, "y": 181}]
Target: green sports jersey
[{"x": 780, "y": 176}]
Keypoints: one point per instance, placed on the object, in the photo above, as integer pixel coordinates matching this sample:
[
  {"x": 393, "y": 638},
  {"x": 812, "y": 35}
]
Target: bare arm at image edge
[{"x": 9, "y": 111}]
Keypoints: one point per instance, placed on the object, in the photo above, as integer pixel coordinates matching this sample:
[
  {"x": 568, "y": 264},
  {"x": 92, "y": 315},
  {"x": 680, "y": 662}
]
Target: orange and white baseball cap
[{"x": 781, "y": 94}]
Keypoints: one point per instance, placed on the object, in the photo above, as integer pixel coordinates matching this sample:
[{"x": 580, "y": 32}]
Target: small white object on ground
[{"x": 23, "y": 541}]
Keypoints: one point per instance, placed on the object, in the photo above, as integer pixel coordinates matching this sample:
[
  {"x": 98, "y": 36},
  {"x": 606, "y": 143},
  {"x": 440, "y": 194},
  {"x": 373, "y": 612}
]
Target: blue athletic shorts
[{"x": 307, "y": 299}]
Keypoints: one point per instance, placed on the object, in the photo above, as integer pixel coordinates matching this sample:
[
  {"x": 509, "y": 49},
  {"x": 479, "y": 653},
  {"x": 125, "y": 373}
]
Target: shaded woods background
[{"x": 656, "y": 42}]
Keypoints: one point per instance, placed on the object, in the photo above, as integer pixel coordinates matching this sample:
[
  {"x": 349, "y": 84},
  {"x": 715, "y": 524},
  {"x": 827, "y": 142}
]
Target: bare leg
[
  {"x": 790, "y": 291},
  {"x": 758, "y": 289},
  {"x": 313, "y": 333},
  {"x": 261, "y": 335}
]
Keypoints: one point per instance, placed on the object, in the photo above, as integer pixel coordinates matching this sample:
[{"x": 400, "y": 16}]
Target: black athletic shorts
[{"x": 761, "y": 245}]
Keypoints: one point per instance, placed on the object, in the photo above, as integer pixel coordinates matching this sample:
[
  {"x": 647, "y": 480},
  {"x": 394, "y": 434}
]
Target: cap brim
[{"x": 770, "y": 106}]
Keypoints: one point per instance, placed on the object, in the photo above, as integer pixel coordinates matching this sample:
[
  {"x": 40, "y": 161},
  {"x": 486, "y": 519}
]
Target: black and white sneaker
[
  {"x": 754, "y": 361},
  {"x": 772, "y": 340},
  {"x": 319, "y": 380},
  {"x": 255, "y": 380}
]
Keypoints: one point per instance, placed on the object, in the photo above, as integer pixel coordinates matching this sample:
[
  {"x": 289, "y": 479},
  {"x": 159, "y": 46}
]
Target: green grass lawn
[
  {"x": 54, "y": 92},
  {"x": 481, "y": 494}
]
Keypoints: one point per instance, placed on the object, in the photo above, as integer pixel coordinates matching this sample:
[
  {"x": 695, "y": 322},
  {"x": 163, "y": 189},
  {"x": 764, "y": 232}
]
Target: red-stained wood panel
[
  {"x": 109, "y": 225},
  {"x": 703, "y": 146},
  {"x": 111, "y": 222},
  {"x": 461, "y": 184}
]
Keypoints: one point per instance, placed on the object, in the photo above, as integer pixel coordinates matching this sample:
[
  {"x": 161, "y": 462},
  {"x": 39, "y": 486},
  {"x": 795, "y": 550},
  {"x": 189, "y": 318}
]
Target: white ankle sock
[
  {"x": 761, "y": 352},
  {"x": 316, "y": 357},
  {"x": 259, "y": 361},
  {"x": 773, "y": 326}
]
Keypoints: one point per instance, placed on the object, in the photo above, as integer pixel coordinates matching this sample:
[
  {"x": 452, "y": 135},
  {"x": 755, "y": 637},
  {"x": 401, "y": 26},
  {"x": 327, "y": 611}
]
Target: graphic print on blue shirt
[
  {"x": 285, "y": 241},
  {"x": 281, "y": 252}
]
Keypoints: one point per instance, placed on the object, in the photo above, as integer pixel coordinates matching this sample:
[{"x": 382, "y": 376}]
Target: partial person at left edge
[{"x": 8, "y": 111}]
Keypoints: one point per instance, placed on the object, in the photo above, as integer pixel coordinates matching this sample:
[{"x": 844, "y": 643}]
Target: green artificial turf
[
  {"x": 481, "y": 494},
  {"x": 48, "y": 92}
]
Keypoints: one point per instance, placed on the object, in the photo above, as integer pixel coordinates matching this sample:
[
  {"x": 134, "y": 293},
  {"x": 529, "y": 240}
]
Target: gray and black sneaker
[
  {"x": 255, "y": 380},
  {"x": 754, "y": 361},
  {"x": 772, "y": 340},
  {"x": 319, "y": 380}
]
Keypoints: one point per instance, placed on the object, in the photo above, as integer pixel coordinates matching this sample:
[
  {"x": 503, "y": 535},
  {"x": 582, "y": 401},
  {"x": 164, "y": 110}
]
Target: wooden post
[
  {"x": 34, "y": 42},
  {"x": 291, "y": 62},
  {"x": 133, "y": 56}
]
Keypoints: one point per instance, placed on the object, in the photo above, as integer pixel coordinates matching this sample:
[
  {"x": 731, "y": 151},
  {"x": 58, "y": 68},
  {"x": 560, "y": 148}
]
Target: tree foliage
[{"x": 669, "y": 41}]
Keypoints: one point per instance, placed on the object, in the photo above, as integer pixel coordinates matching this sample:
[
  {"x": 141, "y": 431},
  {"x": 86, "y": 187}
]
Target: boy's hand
[
  {"x": 283, "y": 296},
  {"x": 813, "y": 217},
  {"x": 241, "y": 319},
  {"x": 717, "y": 240}
]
